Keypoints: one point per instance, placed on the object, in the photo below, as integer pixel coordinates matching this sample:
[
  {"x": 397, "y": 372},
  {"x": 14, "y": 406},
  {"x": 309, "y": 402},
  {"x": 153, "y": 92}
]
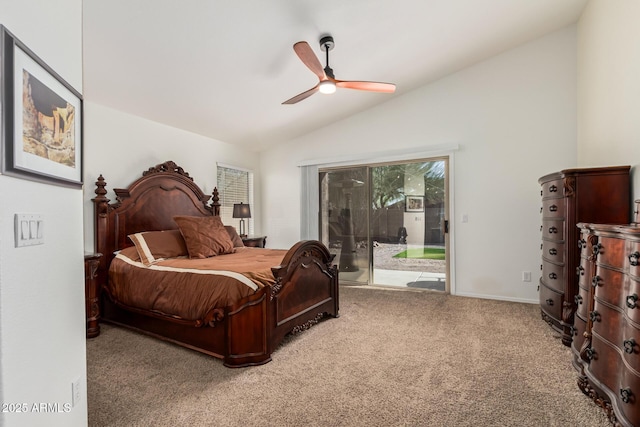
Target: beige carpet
[{"x": 393, "y": 358}]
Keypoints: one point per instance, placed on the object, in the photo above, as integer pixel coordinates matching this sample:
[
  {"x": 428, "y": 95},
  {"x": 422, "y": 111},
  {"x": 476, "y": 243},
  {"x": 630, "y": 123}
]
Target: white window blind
[
  {"x": 309, "y": 202},
  {"x": 235, "y": 185}
]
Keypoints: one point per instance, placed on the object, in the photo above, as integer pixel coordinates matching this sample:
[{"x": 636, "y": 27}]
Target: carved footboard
[
  {"x": 306, "y": 288},
  {"x": 305, "y": 291}
]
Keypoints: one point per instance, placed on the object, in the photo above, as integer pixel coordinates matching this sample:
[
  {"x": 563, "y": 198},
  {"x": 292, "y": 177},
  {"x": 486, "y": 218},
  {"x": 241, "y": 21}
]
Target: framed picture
[
  {"x": 41, "y": 118},
  {"x": 414, "y": 203}
]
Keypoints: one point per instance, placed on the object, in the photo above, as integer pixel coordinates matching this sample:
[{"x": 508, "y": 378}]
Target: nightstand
[
  {"x": 92, "y": 293},
  {"x": 255, "y": 241}
]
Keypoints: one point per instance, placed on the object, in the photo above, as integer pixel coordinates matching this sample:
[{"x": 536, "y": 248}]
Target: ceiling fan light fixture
[
  {"x": 327, "y": 83},
  {"x": 327, "y": 87}
]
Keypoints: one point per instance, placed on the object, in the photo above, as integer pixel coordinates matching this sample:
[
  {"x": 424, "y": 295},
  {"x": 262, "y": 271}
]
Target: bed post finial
[
  {"x": 101, "y": 202},
  {"x": 101, "y": 209},
  {"x": 215, "y": 202},
  {"x": 100, "y": 190}
]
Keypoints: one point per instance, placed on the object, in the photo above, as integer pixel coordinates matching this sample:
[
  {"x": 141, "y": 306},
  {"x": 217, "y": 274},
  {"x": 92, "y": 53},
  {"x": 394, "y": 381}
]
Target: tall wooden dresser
[
  {"x": 598, "y": 195},
  {"x": 607, "y": 324}
]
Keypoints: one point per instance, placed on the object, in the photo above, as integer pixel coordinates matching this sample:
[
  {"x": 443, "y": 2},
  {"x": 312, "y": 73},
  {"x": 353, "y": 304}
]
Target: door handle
[{"x": 445, "y": 226}]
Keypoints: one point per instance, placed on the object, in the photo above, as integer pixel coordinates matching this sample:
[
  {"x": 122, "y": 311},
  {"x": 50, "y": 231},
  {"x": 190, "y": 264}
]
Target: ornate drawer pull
[
  {"x": 590, "y": 353},
  {"x": 578, "y": 299},
  {"x": 633, "y": 258},
  {"x": 553, "y": 251},
  {"x": 580, "y": 270},
  {"x": 553, "y": 230},
  {"x": 582, "y": 243},
  {"x": 595, "y": 281},
  {"x": 598, "y": 249},
  {"x": 594, "y": 316},
  {"x": 629, "y": 345},
  {"x": 573, "y": 331},
  {"x": 553, "y": 208},
  {"x": 553, "y": 276},
  {"x": 632, "y": 301},
  {"x": 626, "y": 395},
  {"x": 549, "y": 302},
  {"x": 553, "y": 189}
]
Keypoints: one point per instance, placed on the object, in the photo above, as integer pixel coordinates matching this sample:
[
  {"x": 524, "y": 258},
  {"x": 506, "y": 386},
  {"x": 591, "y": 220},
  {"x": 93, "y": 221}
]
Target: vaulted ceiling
[{"x": 223, "y": 68}]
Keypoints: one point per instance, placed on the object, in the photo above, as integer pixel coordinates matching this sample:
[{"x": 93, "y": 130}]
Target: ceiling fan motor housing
[{"x": 326, "y": 43}]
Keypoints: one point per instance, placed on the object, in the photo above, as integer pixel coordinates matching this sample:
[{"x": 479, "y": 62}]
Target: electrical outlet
[
  {"x": 75, "y": 392},
  {"x": 526, "y": 276}
]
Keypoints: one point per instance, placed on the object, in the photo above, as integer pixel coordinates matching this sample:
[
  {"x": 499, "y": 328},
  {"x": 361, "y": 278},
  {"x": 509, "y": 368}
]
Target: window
[{"x": 235, "y": 185}]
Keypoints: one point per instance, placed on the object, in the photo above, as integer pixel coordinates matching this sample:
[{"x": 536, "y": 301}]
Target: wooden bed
[{"x": 242, "y": 334}]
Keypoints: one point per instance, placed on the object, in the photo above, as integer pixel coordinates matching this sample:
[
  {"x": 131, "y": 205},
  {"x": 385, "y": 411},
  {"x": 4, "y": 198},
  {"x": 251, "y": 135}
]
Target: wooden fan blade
[
  {"x": 301, "y": 96},
  {"x": 306, "y": 55},
  {"x": 368, "y": 86}
]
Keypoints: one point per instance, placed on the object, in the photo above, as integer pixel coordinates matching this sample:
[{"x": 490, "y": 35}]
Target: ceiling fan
[{"x": 328, "y": 82}]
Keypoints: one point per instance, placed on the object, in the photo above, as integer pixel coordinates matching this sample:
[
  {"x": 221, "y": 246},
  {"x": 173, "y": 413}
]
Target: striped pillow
[{"x": 154, "y": 246}]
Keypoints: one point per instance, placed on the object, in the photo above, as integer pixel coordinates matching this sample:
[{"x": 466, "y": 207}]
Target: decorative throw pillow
[
  {"x": 130, "y": 252},
  {"x": 155, "y": 245},
  {"x": 205, "y": 236},
  {"x": 235, "y": 238}
]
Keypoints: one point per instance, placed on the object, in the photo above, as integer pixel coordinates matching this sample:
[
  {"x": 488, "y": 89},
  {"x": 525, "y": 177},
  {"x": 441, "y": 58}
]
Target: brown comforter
[{"x": 189, "y": 288}]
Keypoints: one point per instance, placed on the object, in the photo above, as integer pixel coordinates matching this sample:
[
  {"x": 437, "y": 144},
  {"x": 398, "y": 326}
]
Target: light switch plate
[{"x": 29, "y": 229}]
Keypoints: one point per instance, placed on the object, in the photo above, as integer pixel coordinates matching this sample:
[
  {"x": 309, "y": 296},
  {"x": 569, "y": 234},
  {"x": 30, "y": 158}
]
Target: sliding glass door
[
  {"x": 344, "y": 218},
  {"x": 388, "y": 223}
]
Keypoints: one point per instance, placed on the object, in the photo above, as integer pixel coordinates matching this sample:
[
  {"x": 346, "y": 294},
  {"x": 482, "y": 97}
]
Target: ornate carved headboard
[{"x": 148, "y": 204}]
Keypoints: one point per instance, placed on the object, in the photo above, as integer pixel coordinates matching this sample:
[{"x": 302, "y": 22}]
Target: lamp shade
[{"x": 240, "y": 210}]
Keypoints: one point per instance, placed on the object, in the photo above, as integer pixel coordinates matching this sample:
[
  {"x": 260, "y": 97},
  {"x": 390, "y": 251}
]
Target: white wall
[
  {"x": 42, "y": 317},
  {"x": 121, "y": 146},
  {"x": 609, "y": 85},
  {"x": 514, "y": 117}
]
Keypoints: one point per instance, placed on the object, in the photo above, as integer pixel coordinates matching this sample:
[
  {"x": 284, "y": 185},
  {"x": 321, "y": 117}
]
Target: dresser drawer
[
  {"x": 631, "y": 346},
  {"x": 553, "y": 275},
  {"x": 609, "y": 323},
  {"x": 582, "y": 302},
  {"x": 553, "y": 188},
  {"x": 553, "y": 229},
  {"x": 583, "y": 243},
  {"x": 628, "y": 394},
  {"x": 551, "y": 302},
  {"x": 610, "y": 251},
  {"x": 609, "y": 286},
  {"x": 553, "y": 250},
  {"x": 602, "y": 358},
  {"x": 583, "y": 271},
  {"x": 553, "y": 208},
  {"x": 601, "y": 367},
  {"x": 579, "y": 326},
  {"x": 632, "y": 258},
  {"x": 630, "y": 300},
  {"x": 613, "y": 326}
]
